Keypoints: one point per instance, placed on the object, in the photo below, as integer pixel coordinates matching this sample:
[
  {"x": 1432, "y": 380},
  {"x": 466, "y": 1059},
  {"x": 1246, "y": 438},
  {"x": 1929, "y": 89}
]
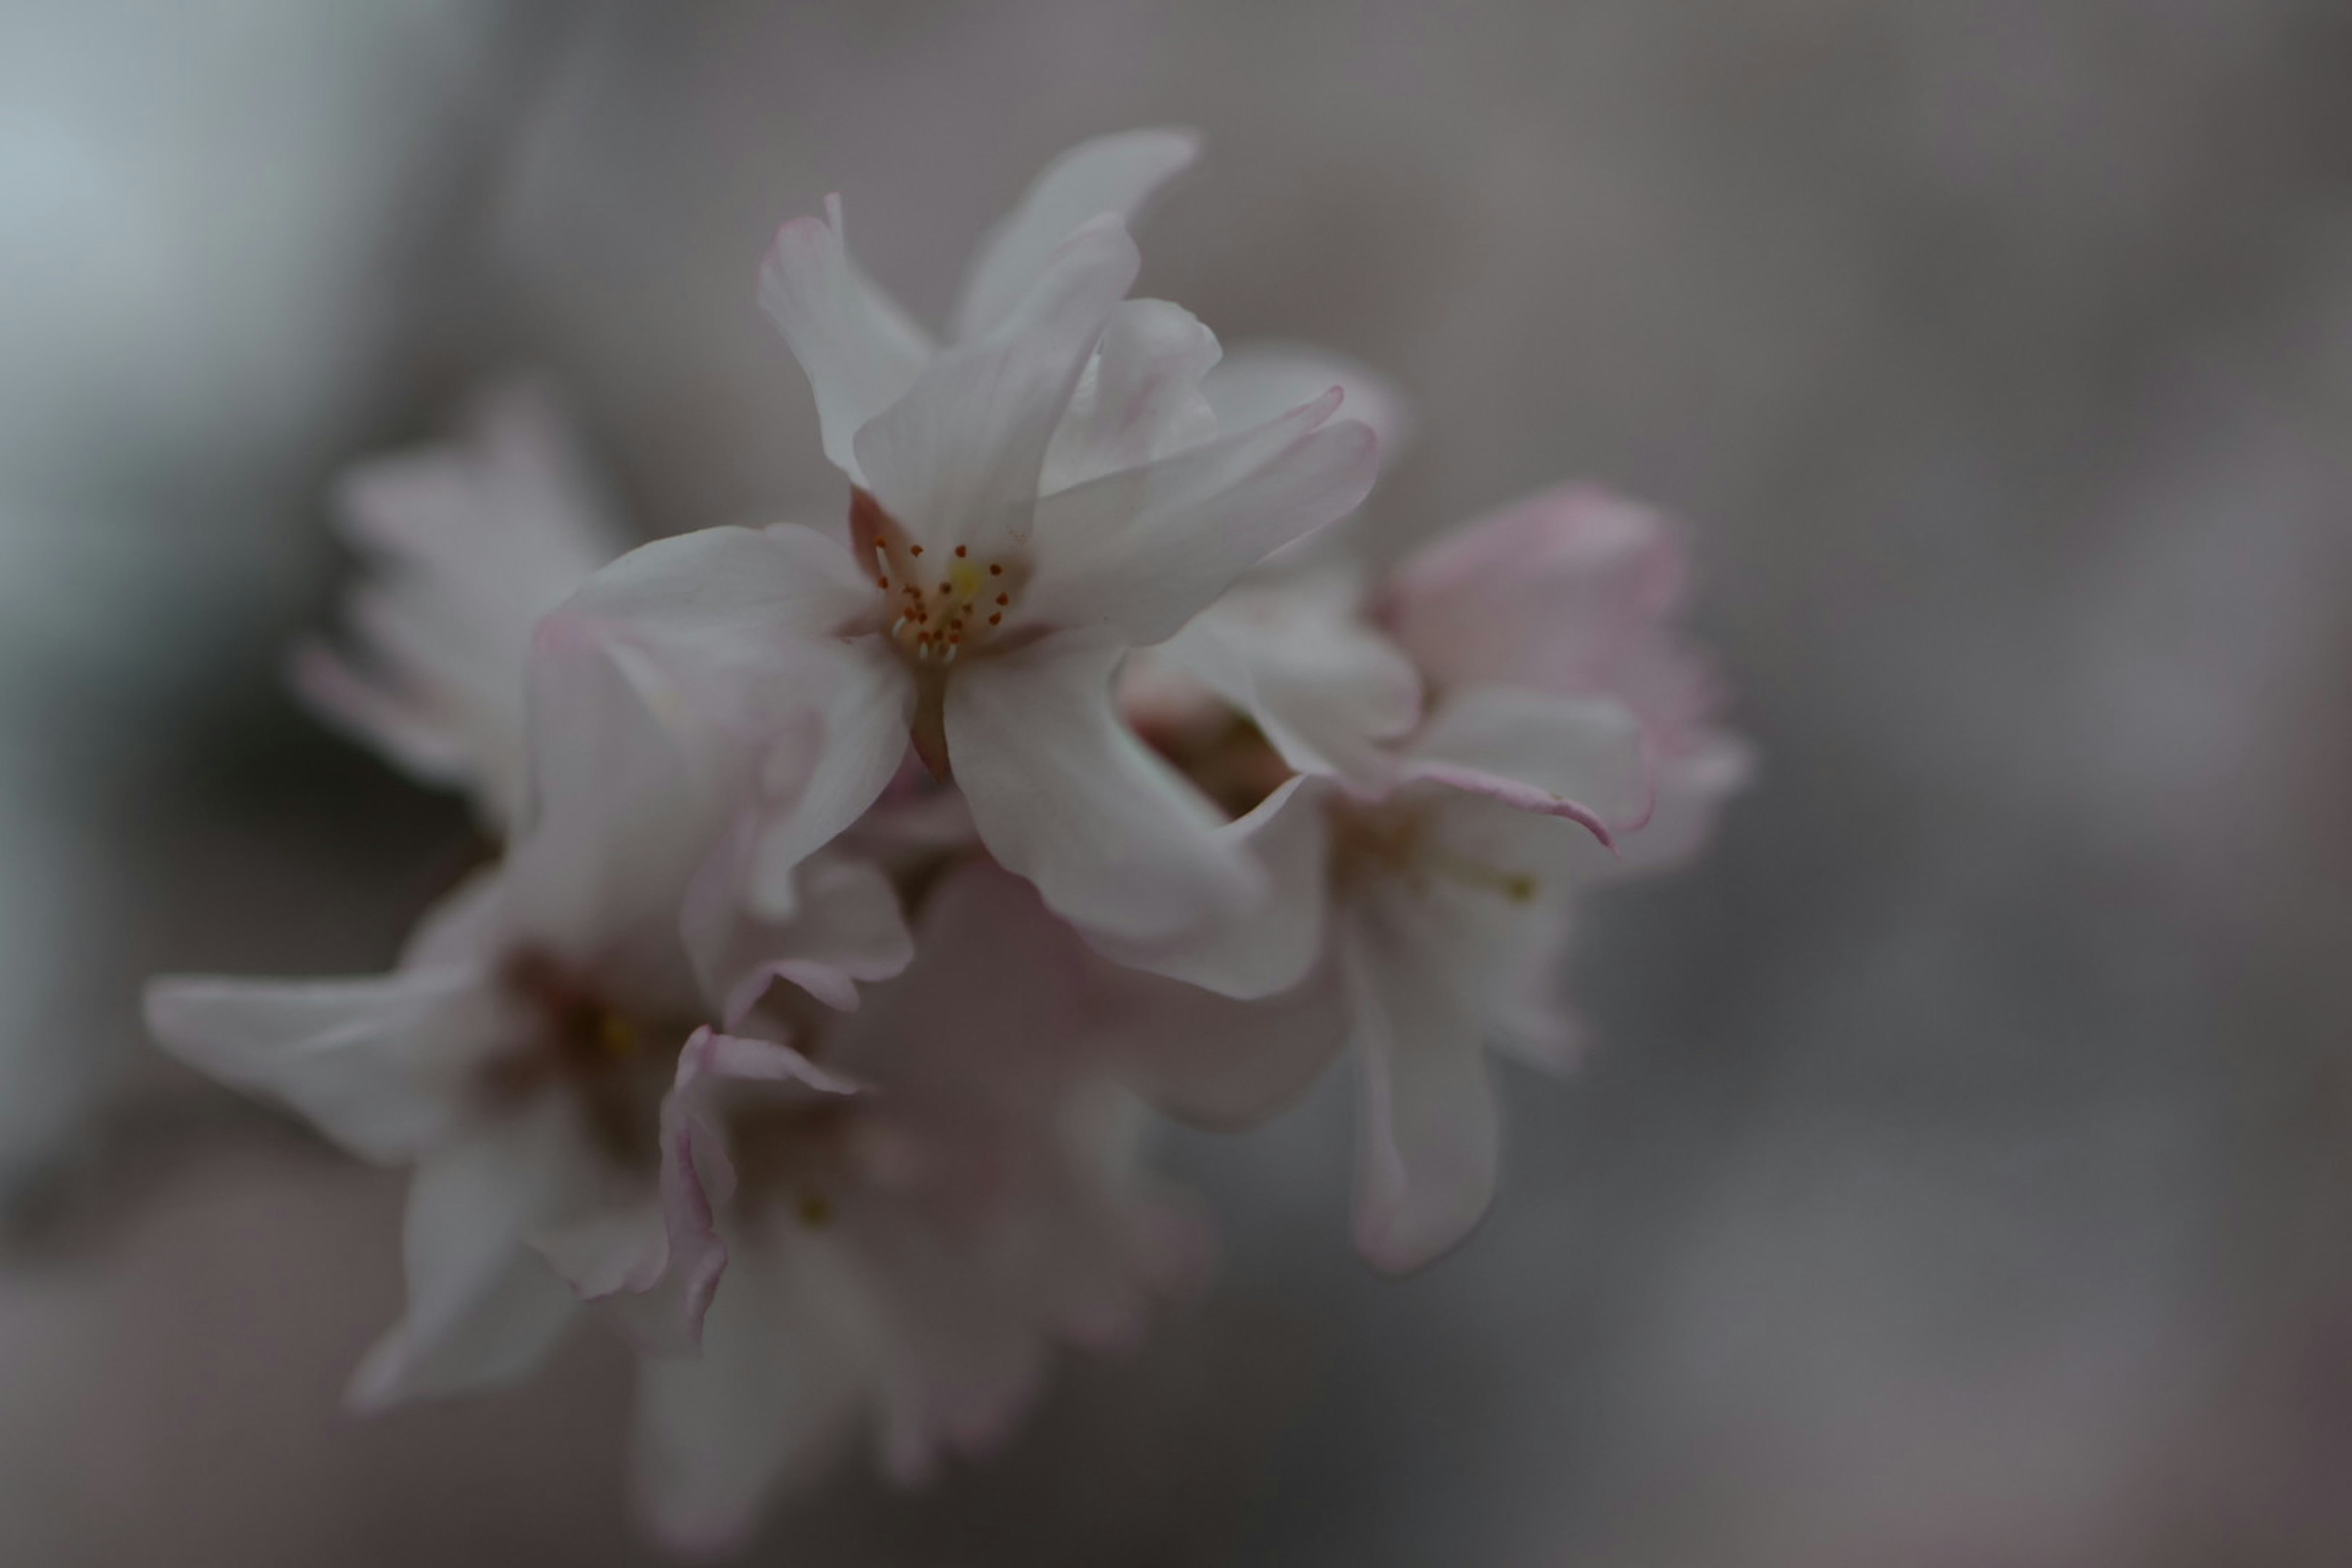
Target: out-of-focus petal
[
  {"x": 376, "y": 1064},
  {"x": 1299, "y": 659},
  {"x": 1064, "y": 795},
  {"x": 1428, "y": 1142},
  {"x": 788, "y": 1358},
  {"x": 859, "y": 351},
  {"x": 1257, "y": 382},
  {"x": 483, "y": 1308},
  {"x": 1576, "y": 757},
  {"x": 1556, "y": 591},
  {"x": 846, "y": 929},
  {"x": 467, "y": 545},
  {"x": 1116, "y": 173},
  {"x": 956, "y": 461},
  {"x": 1146, "y": 549},
  {"x": 1141, "y": 398},
  {"x": 654, "y": 1269},
  {"x": 1692, "y": 789}
]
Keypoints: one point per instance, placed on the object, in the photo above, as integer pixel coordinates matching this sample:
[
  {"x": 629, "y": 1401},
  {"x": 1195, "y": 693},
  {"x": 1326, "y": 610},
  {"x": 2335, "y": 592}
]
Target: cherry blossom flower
[
  {"x": 522, "y": 1053},
  {"x": 1423, "y": 858},
  {"x": 902, "y": 1258},
  {"x": 468, "y": 546},
  {"x": 1028, "y": 504}
]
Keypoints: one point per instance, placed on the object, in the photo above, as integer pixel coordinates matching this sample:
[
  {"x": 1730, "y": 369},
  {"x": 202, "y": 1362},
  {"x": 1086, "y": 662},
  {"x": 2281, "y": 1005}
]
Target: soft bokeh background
[{"x": 1966, "y": 1172}]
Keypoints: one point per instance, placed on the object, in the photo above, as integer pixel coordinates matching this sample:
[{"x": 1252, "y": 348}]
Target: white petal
[
  {"x": 761, "y": 634},
  {"x": 376, "y": 1064},
  {"x": 830, "y": 762},
  {"x": 483, "y": 1308},
  {"x": 957, "y": 459},
  {"x": 1428, "y": 1144},
  {"x": 859, "y": 351},
  {"x": 1212, "y": 1061},
  {"x": 1146, "y": 549},
  {"x": 1064, "y": 795},
  {"x": 1139, "y": 399},
  {"x": 846, "y": 929},
  {"x": 1299, "y": 658},
  {"x": 1257, "y": 382},
  {"x": 787, "y": 1360},
  {"x": 1116, "y": 173},
  {"x": 1270, "y": 945},
  {"x": 631, "y": 782},
  {"x": 1693, "y": 786},
  {"x": 1576, "y": 757},
  {"x": 653, "y": 1267}
]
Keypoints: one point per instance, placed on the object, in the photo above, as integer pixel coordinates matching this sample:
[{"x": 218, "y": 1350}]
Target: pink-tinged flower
[
  {"x": 530, "y": 1054},
  {"x": 1029, "y": 503},
  {"x": 1576, "y": 591},
  {"x": 466, "y": 546},
  {"x": 903, "y": 1260},
  {"x": 1421, "y": 866}
]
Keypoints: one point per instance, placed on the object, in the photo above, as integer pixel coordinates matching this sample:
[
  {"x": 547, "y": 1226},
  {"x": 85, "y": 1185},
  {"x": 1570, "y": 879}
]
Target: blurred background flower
[{"x": 1959, "y": 1174}]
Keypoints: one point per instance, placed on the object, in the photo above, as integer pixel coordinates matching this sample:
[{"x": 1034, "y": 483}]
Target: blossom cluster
[{"x": 864, "y": 887}]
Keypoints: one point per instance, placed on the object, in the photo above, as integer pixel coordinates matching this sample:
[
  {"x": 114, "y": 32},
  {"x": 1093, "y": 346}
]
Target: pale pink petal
[
  {"x": 956, "y": 461},
  {"x": 788, "y": 1360},
  {"x": 1270, "y": 945},
  {"x": 1064, "y": 795},
  {"x": 1146, "y": 549},
  {"x": 697, "y": 1177},
  {"x": 1576, "y": 757},
  {"x": 483, "y": 1308},
  {"x": 1693, "y": 787},
  {"x": 1300, "y": 659},
  {"x": 1213, "y": 1062},
  {"x": 859, "y": 351},
  {"x": 1139, "y": 400},
  {"x": 1116, "y": 173},
  {"x": 846, "y": 929},
  {"x": 1556, "y": 591},
  {"x": 376, "y": 1064},
  {"x": 1428, "y": 1142},
  {"x": 1257, "y": 382}
]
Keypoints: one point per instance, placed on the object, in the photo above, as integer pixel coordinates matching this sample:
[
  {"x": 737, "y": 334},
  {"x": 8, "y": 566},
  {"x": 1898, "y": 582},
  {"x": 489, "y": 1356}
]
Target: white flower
[
  {"x": 1421, "y": 861},
  {"x": 1029, "y": 504},
  {"x": 466, "y": 546},
  {"x": 522, "y": 1053}
]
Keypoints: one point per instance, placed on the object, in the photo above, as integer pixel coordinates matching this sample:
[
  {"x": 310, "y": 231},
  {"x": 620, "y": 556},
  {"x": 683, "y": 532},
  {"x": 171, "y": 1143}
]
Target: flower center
[
  {"x": 617, "y": 1064},
  {"x": 940, "y": 606},
  {"x": 1394, "y": 840}
]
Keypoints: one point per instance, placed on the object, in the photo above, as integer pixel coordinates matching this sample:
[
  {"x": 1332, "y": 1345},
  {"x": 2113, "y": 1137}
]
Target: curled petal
[
  {"x": 1117, "y": 174},
  {"x": 1429, "y": 1140},
  {"x": 1141, "y": 398},
  {"x": 846, "y": 929},
  {"x": 859, "y": 351},
  {"x": 1257, "y": 382},
  {"x": 1064, "y": 795},
  {"x": 1574, "y": 757},
  {"x": 1146, "y": 549},
  {"x": 957, "y": 459}
]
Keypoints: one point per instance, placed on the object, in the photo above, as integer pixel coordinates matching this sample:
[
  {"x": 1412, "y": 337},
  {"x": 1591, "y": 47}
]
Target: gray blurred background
[{"x": 1965, "y": 1175}]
